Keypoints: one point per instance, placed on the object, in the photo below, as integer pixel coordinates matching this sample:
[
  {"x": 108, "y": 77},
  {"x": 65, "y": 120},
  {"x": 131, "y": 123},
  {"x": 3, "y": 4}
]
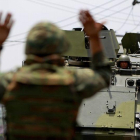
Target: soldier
[
  {"x": 124, "y": 62},
  {"x": 42, "y": 98}
]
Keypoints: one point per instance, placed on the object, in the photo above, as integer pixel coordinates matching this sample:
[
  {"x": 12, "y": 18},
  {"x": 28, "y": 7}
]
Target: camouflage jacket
[
  {"x": 58, "y": 100},
  {"x": 87, "y": 81}
]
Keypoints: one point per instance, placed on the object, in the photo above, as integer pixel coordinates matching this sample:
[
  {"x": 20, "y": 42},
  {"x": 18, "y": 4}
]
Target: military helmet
[
  {"x": 124, "y": 58},
  {"x": 45, "y": 38}
]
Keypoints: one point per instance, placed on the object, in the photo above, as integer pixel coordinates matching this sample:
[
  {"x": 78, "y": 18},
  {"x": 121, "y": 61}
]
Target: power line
[
  {"x": 134, "y": 23},
  {"x": 77, "y": 9},
  {"x": 98, "y": 6},
  {"x": 50, "y": 6},
  {"x": 14, "y": 44},
  {"x": 102, "y": 7},
  {"x": 115, "y": 12},
  {"x": 135, "y": 27},
  {"x": 54, "y": 23},
  {"x": 15, "y": 41},
  {"x": 112, "y": 20},
  {"x": 76, "y": 15},
  {"x": 9, "y": 41},
  {"x": 58, "y": 4},
  {"x": 133, "y": 17},
  {"x": 63, "y": 19},
  {"x": 111, "y": 7},
  {"x": 86, "y": 4},
  {"x": 89, "y": 5},
  {"x": 102, "y": 10},
  {"x": 100, "y": 18},
  {"x": 125, "y": 20},
  {"x": 18, "y": 34},
  {"x": 81, "y": 2},
  {"x": 119, "y": 19}
]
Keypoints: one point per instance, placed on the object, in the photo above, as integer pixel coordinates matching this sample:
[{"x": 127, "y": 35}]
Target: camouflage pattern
[
  {"x": 46, "y": 38},
  {"x": 42, "y": 99}
]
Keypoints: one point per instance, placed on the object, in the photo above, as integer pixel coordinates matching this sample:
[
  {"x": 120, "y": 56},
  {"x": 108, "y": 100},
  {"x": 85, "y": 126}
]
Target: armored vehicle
[{"x": 112, "y": 113}]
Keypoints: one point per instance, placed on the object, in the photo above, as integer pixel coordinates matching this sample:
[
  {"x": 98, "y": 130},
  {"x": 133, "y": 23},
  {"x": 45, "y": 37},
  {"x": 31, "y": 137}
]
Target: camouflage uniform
[{"x": 42, "y": 98}]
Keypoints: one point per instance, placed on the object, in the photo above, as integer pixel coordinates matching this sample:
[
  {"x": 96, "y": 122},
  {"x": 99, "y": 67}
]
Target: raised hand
[
  {"x": 5, "y": 27},
  {"x": 91, "y": 27}
]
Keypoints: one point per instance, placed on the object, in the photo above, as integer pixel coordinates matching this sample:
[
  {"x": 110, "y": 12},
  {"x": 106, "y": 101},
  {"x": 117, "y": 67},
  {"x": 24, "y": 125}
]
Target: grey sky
[{"x": 64, "y": 13}]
